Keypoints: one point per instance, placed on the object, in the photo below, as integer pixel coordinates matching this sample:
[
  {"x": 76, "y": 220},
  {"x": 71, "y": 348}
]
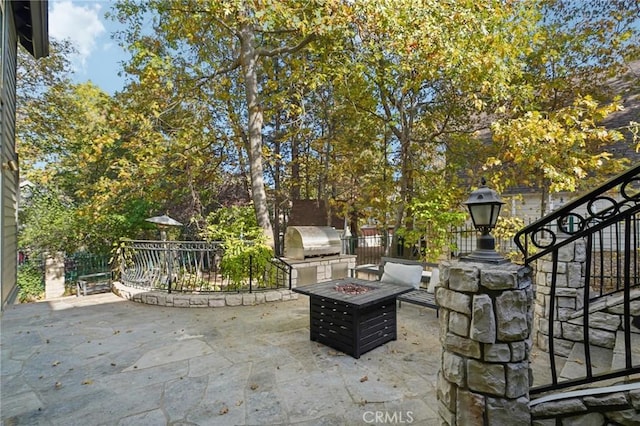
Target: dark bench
[{"x": 419, "y": 296}]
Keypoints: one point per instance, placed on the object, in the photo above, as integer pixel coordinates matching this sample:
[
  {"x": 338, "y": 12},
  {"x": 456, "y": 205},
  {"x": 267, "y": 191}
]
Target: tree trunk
[
  {"x": 405, "y": 183},
  {"x": 248, "y": 62},
  {"x": 543, "y": 200},
  {"x": 295, "y": 169}
]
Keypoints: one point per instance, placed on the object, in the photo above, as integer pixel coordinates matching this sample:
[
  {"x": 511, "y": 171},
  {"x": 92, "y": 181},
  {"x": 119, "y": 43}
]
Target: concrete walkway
[{"x": 102, "y": 360}]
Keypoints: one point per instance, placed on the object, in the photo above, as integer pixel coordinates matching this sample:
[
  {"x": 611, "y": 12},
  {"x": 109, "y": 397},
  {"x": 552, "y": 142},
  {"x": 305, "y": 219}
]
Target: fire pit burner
[
  {"x": 352, "y": 316},
  {"x": 352, "y": 288}
]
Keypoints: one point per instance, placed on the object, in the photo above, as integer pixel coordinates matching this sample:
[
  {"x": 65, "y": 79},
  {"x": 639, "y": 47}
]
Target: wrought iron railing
[
  {"x": 371, "y": 248},
  {"x": 606, "y": 222},
  {"x": 594, "y": 211},
  {"x": 196, "y": 266},
  {"x": 463, "y": 242}
]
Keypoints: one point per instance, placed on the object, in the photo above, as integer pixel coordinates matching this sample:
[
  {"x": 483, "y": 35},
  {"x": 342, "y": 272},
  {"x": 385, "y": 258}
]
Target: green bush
[
  {"x": 30, "y": 283},
  {"x": 243, "y": 240},
  {"x": 240, "y": 257}
]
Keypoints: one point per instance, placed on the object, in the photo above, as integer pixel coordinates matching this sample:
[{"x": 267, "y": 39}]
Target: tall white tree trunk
[{"x": 248, "y": 62}]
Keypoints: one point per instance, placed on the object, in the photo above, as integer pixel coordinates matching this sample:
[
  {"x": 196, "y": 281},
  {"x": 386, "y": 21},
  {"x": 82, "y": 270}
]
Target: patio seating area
[{"x": 101, "y": 359}]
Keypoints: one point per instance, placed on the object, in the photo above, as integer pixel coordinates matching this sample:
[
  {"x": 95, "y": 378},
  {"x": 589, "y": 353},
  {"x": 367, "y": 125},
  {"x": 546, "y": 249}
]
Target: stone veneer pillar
[
  {"x": 54, "y": 275},
  {"x": 485, "y": 330}
]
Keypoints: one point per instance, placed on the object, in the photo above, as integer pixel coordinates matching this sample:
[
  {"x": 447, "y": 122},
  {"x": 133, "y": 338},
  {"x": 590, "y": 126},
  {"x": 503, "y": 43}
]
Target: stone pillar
[
  {"x": 485, "y": 330},
  {"x": 54, "y": 275}
]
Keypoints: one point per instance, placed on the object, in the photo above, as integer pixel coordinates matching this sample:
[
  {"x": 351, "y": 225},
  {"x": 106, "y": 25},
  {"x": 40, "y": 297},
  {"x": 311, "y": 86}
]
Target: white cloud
[{"x": 81, "y": 24}]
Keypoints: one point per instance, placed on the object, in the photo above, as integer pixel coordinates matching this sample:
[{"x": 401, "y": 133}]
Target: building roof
[
  {"x": 626, "y": 86},
  {"x": 32, "y": 25}
]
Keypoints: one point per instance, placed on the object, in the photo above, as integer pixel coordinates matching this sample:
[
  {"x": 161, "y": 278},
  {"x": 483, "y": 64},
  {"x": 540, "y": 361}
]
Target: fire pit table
[{"x": 352, "y": 315}]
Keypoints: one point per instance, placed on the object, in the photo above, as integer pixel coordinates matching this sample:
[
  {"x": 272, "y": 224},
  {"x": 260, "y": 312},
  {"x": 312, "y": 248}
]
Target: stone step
[
  {"x": 618, "y": 361},
  {"x": 575, "y": 368}
]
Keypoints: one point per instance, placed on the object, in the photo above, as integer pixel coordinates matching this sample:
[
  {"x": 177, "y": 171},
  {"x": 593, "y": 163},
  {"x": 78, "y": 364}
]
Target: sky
[{"x": 83, "y": 22}]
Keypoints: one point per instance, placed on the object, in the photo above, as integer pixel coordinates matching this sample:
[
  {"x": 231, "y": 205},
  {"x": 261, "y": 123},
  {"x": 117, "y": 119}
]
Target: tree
[
  {"x": 70, "y": 145},
  {"x": 48, "y": 223},
  {"x": 551, "y": 138},
  {"x": 212, "y": 42},
  {"x": 554, "y": 151},
  {"x": 433, "y": 68},
  {"x": 38, "y": 85},
  {"x": 577, "y": 47},
  {"x": 81, "y": 159}
]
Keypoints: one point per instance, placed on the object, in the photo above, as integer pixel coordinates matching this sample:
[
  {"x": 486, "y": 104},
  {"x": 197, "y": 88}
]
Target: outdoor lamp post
[
  {"x": 484, "y": 206},
  {"x": 163, "y": 222}
]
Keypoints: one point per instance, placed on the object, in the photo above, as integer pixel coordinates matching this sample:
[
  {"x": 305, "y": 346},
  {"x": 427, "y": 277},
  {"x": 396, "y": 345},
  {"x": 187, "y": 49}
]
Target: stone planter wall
[
  {"x": 210, "y": 300},
  {"x": 485, "y": 328}
]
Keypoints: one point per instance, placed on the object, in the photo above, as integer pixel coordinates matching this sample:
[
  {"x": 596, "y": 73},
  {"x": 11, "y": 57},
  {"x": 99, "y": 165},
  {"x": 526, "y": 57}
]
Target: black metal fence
[
  {"x": 84, "y": 263},
  {"x": 197, "y": 266},
  {"x": 370, "y": 249},
  {"x": 462, "y": 241}
]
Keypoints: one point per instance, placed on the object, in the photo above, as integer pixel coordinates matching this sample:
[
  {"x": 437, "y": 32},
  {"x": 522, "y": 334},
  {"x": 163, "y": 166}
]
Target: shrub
[
  {"x": 30, "y": 282},
  {"x": 243, "y": 241},
  {"x": 241, "y": 257}
]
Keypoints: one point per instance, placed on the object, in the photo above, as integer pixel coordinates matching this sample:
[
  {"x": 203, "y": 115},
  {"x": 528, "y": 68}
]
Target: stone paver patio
[{"x": 103, "y": 360}]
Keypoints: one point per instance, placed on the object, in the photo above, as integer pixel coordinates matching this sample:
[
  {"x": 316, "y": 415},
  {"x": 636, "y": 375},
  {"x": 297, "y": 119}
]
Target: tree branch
[{"x": 286, "y": 49}]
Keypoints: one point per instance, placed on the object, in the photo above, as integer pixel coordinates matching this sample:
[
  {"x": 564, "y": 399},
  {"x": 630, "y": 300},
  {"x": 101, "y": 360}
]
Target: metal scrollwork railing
[
  {"x": 195, "y": 266},
  {"x": 589, "y": 269},
  {"x": 594, "y": 211}
]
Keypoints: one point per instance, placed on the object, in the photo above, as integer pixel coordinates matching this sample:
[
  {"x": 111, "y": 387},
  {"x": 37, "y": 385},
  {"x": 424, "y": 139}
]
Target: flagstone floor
[{"x": 102, "y": 360}]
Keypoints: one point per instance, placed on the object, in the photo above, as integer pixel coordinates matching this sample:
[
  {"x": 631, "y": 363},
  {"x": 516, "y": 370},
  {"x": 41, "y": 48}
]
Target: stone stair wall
[
  {"x": 605, "y": 316},
  {"x": 485, "y": 322},
  {"x": 486, "y": 329},
  {"x": 612, "y": 405}
]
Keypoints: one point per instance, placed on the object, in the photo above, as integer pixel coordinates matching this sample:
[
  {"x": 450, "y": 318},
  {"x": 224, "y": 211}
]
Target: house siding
[{"x": 9, "y": 178}]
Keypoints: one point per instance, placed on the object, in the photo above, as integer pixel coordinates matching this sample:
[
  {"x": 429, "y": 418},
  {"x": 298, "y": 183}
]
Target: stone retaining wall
[{"x": 210, "y": 300}]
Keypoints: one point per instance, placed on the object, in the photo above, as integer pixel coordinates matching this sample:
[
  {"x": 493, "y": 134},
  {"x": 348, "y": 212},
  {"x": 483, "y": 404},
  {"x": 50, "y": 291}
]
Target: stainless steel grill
[{"x": 301, "y": 242}]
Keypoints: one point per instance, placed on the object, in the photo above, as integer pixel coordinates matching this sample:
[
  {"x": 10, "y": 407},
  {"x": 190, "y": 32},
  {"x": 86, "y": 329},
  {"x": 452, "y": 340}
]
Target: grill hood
[{"x": 301, "y": 242}]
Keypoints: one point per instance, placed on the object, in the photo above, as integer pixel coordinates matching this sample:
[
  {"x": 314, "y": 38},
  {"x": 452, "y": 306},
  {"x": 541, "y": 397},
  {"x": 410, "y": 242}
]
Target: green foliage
[
  {"x": 233, "y": 222},
  {"x": 434, "y": 217},
  {"x": 30, "y": 282},
  {"x": 243, "y": 242},
  {"x": 49, "y": 223},
  {"x": 432, "y": 68},
  {"x": 241, "y": 258},
  {"x": 506, "y": 228},
  {"x": 554, "y": 150}
]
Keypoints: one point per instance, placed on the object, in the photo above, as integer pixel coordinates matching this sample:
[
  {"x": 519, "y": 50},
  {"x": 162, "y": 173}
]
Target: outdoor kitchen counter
[{"x": 352, "y": 323}]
